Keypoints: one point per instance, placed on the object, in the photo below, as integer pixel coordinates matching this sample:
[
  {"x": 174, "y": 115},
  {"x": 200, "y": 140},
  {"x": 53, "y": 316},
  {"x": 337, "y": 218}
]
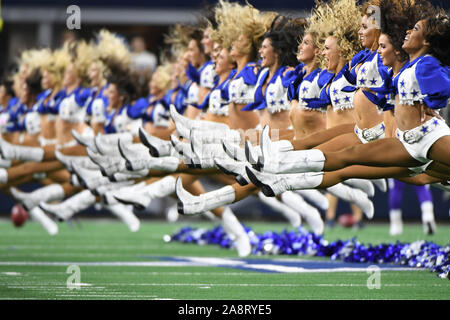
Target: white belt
[
  {"x": 416, "y": 134},
  {"x": 371, "y": 134}
]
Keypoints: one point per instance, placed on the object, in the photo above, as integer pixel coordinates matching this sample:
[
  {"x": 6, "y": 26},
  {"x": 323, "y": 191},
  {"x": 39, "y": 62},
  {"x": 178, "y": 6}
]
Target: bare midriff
[
  {"x": 366, "y": 113},
  {"x": 241, "y": 119},
  {"x": 305, "y": 121}
]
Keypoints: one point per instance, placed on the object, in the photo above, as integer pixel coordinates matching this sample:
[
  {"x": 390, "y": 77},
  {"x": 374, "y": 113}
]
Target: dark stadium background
[{"x": 31, "y": 23}]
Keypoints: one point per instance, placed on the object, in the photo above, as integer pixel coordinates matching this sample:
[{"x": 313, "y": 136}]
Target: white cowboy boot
[
  {"x": 274, "y": 184},
  {"x": 310, "y": 214},
  {"x": 380, "y": 183},
  {"x": 206, "y": 153},
  {"x": 125, "y": 213},
  {"x": 184, "y": 125},
  {"x": 3, "y": 175},
  {"x": 72, "y": 205},
  {"x": 355, "y": 196},
  {"x": 234, "y": 151},
  {"x": 158, "y": 147},
  {"x": 364, "y": 185},
  {"x": 49, "y": 225},
  {"x": 232, "y": 225},
  {"x": 138, "y": 161},
  {"x": 234, "y": 168},
  {"x": 81, "y": 161},
  {"x": 252, "y": 154},
  {"x": 275, "y": 161},
  {"x": 88, "y": 142},
  {"x": 5, "y": 163},
  {"x": 102, "y": 190},
  {"x": 30, "y": 200},
  {"x": 215, "y": 136},
  {"x": 128, "y": 175},
  {"x": 10, "y": 151},
  {"x": 314, "y": 196},
  {"x": 108, "y": 164},
  {"x": 89, "y": 179},
  {"x": 143, "y": 196},
  {"x": 185, "y": 150},
  {"x": 291, "y": 215},
  {"x": 189, "y": 204}
]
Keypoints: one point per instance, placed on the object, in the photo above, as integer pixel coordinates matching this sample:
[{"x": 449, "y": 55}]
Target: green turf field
[{"x": 33, "y": 265}]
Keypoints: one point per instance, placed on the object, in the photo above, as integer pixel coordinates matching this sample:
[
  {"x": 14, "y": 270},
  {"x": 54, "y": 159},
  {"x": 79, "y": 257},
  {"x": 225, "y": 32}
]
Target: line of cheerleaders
[{"x": 268, "y": 105}]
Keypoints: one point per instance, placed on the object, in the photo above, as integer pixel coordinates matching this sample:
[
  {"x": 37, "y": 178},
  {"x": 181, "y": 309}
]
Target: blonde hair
[
  {"x": 164, "y": 73},
  {"x": 178, "y": 38},
  {"x": 34, "y": 59},
  {"x": 340, "y": 19},
  {"x": 82, "y": 55},
  {"x": 234, "y": 20},
  {"x": 109, "y": 46},
  {"x": 59, "y": 61}
]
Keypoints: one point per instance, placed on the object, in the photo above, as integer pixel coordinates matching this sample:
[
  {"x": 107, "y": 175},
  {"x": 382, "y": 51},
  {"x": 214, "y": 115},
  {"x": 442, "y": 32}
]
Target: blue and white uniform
[
  {"x": 375, "y": 76},
  {"x": 242, "y": 88},
  {"x": 208, "y": 76},
  {"x": 6, "y": 121},
  {"x": 73, "y": 107},
  {"x": 423, "y": 81},
  {"x": 219, "y": 99},
  {"x": 310, "y": 88},
  {"x": 97, "y": 105},
  {"x": 159, "y": 115}
]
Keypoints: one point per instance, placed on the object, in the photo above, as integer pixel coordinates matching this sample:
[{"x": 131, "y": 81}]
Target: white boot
[
  {"x": 234, "y": 151},
  {"x": 231, "y": 224},
  {"x": 108, "y": 164},
  {"x": 189, "y": 204},
  {"x": 141, "y": 197},
  {"x": 13, "y": 152},
  {"x": 30, "y": 200},
  {"x": 158, "y": 147},
  {"x": 206, "y": 153},
  {"x": 72, "y": 205},
  {"x": 5, "y": 163},
  {"x": 364, "y": 185},
  {"x": 125, "y": 213},
  {"x": 3, "y": 175},
  {"x": 396, "y": 224},
  {"x": 235, "y": 168},
  {"x": 429, "y": 224},
  {"x": 184, "y": 149},
  {"x": 310, "y": 214},
  {"x": 275, "y": 161},
  {"x": 101, "y": 190},
  {"x": 291, "y": 215},
  {"x": 38, "y": 215},
  {"x": 128, "y": 175},
  {"x": 81, "y": 161},
  {"x": 380, "y": 183},
  {"x": 355, "y": 196},
  {"x": 275, "y": 184},
  {"x": 185, "y": 125},
  {"x": 111, "y": 139},
  {"x": 215, "y": 136},
  {"x": 315, "y": 197},
  {"x": 88, "y": 142},
  {"x": 89, "y": 179},
  {"x": 143, "y": 160}
]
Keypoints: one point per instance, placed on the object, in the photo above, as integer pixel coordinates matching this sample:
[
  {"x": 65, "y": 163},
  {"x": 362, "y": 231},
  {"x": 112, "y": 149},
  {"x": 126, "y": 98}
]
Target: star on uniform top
[
  {"x": 335, "y": 91},
  {"x": 363, "y": 70},
  {"x": 435, "y": 122},
  {"x": 271, "y": 93},
  {"x": 347, "y": 99},
  {"x": 272, "y": 102},
  {"x": 242, "y": 93},
  {"x": 336, "y": 101},
  {"x": 382, "y": 126},
  {"x": 403, "y": 93},
  {"x": 424, "y": 129},
  {"x": 362, "y": 81},
  {"x": 373, "y": 81},
  {"x": 281, "y": 101},
  {"x": 305, "y": 89},
  {"x": 414, "y": 93},
  {"x": 233, "y": 94},
  {"x": 402, "y": 83}
]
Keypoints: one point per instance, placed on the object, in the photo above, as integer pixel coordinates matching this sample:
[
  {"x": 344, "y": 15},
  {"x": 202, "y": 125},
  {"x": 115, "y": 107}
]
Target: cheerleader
[{"x": 413, "y": 112}]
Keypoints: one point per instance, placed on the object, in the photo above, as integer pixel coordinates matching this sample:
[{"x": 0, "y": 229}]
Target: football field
[{"x": 101, "y": 259}]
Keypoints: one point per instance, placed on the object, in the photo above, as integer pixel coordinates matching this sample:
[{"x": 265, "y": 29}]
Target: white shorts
[{"x": 427, "y": 134}]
